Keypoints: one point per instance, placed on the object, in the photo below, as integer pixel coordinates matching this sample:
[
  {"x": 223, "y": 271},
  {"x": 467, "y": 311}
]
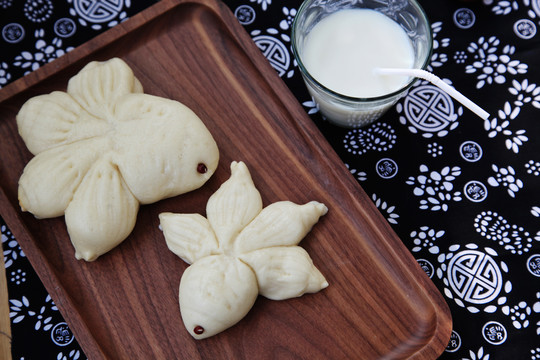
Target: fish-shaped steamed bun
[
  {"x": 239, "y": 251},
  {"x": 103, "y": 148}
]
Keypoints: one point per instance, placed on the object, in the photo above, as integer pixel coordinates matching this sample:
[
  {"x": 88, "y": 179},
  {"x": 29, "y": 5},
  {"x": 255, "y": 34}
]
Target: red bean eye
[
  {"x": 198, "y": 330},
  {"x": 201, "y": 168}
]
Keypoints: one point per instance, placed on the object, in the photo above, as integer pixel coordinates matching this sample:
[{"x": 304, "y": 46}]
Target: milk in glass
[{"x": 341, "y": 53}]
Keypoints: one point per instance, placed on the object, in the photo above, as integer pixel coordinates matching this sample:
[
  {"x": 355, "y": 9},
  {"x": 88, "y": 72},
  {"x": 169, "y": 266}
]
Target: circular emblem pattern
[
  {"x": 464, "y": 18},
  {"x": 64, "y": 27},
  {"x": 455, "y": 342},
  {"x": 525, "y": 29},
  {"x": 426, "y": 266},
  {"x": 533, "y": 265},
  {"x": 13, "y": 33},
  {"x": 470, "y": 151},
  {"x": 430, "y": 110},
  {"x": 98, "y": 11},
  {"x": 494, "y": 333},
  {"x": 274, "y": 51},
  {"x": 474, "y": 276},
  {"x": 475, "y": 191},
  {"x": 245, "y": 14},
  {"x": 61, "y": 335},
  {"x": 386, "y": 168}
]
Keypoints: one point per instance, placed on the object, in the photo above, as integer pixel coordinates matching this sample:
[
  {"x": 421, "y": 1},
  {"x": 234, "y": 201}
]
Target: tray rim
[{"x": 14, "y": 218}]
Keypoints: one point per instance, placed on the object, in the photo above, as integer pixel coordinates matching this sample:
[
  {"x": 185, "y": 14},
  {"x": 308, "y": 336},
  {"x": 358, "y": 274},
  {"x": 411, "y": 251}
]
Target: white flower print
[
  {"x": 434, "y": 149},
  {"x": 518, "y": 313},
  {"x": 391, "y": 217},
  {"x": 312, "y": 106},
  {"x": 435, "y": 188},
  {"x": 72, "y": 355},
  {"x": 4, "y": 4},
  {"x": 17, "y": 276},
  {"x": 477, "y": 356},
  {"x": 500, "y": 125},
  {"x": 45, "y": 53},
  {"x": 533, "y": 167},
  {"x": 507, "y": 178},
  {"x": 264, "y": 3},
  {"x": 535, "y": 11},
  {"x": 436, "y": 29},
  {"x": 525, "y": 93},
  {"x": 21, "y": 309},
  {"x": 426, "y": 237},
  {"x": 535, "y": 211},
  {"x": 5, "y": 76},
  {"x": 492, "y": 68},
  {"x": 12, "y": 250},
  {"x": 536, "y": 309},
  {"x": 460, "y": 57},
  {"x": 16, "y": 308},
  {"x": 438, "y": 58},
  {"x": 359, "y": 175},
  {"x": 286, "y": 23},
  {"x": 504, "y": 7}
]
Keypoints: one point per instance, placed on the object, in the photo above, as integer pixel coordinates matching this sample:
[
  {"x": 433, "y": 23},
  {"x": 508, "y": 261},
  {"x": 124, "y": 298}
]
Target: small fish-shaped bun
[{"x": 239, "y": 251}]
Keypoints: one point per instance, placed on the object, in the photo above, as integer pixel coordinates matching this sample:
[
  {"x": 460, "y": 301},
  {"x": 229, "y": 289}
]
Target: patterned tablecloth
[{"x": 463, "y": 194}]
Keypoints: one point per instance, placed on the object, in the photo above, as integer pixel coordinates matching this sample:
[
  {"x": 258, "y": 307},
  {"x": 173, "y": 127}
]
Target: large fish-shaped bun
[{"x": 104, "y": 147}]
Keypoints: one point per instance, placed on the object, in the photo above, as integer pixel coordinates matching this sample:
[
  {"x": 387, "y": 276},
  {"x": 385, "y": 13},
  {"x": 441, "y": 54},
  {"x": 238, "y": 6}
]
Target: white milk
[{"x": 343, "y": 49}]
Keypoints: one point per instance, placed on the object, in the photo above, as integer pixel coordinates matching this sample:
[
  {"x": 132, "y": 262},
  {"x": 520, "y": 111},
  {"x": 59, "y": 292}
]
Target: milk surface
[{"x": 342, "y": 50}]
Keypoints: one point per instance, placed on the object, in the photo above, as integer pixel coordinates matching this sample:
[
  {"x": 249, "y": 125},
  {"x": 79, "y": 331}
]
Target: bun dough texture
[
  {"x": 103, "y": 148},
  {"x": 239, "y": 251}
]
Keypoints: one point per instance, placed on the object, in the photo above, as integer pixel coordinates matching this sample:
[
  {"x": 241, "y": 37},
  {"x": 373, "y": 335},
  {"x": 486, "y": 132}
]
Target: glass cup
[{"x": 350, "y": 111}]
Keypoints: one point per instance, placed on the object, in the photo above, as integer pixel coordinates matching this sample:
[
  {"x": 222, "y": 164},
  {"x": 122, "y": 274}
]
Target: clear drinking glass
[{"x": 350, "y": 111}]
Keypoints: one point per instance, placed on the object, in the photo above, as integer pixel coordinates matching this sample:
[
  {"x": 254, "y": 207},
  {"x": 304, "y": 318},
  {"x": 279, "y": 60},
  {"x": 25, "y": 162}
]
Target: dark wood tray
[{"x": 379, "y": 304}]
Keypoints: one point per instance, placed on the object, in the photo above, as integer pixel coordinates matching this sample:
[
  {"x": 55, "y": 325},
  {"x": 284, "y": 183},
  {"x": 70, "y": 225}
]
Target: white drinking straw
[{"x": 437, "y": 81}]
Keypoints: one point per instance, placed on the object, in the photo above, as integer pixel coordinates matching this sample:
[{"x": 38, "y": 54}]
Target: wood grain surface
[{"x": 379, "y": 304}]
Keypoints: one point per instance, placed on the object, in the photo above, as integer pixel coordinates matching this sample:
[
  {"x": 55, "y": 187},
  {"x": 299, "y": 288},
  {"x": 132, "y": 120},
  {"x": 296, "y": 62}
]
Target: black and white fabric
[{"x": 463, "y": 194}]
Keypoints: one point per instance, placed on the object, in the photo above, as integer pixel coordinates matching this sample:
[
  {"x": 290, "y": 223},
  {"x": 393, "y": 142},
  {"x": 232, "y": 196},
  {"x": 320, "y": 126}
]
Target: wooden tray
[{"x": 379, "y": 304}]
